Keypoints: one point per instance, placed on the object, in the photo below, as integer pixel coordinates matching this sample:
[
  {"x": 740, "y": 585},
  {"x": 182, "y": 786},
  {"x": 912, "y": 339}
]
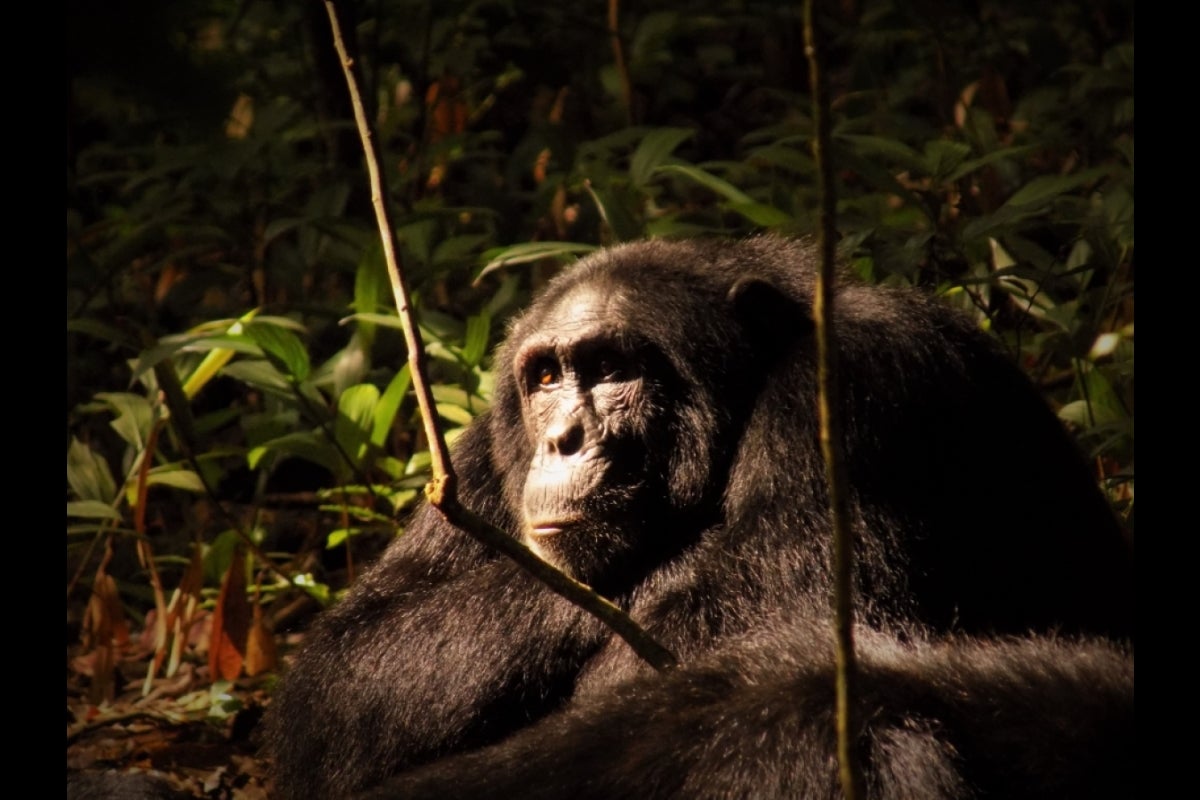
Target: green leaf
[
  {"x": 388, "y": 405},
  {"x": 259, "y": 375},
  {"x": 967, "y": 167},
  {"x": 942, "y": 156},
  {"x": 1045, "y": 188},
  {"x": 355, "y": 417},
  {"x": 102, "y": 331},
  {"x": 532, "y": 251},
  {"x": 282, "y": 348},
  {"x": 457, "y": 248},
  {"x": 476, "y": 341},
  {"x": 872, "y": 147},
  {"x": 175, "y": 477},
  {"x": 337, "y": 537},
  {"x": 92, "y": 509},
  {"x": 782, "y": 157},
  {"x": 216, "y": 359},
  {"x": 370, "y": 283},
  {"x": 761, "y": 214},
  {"x": 622, "y": 224},
  {"x": 133, "y": 416},
  {"x": 386, "y": 320},
  {"x": 299, "y": 444},
  {"x": 88, "y": 474},
  {"x": 445, "y": 393},
  {"x": 454, "y": 413},
  {"x": 706, "y": 179},
  {"x": 653, "y": 150}
]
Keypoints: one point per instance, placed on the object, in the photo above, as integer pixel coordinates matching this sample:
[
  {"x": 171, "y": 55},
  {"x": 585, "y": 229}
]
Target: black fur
[
  {"x": 975, "y": 516},
  {"x": 1004, "y": 718}
]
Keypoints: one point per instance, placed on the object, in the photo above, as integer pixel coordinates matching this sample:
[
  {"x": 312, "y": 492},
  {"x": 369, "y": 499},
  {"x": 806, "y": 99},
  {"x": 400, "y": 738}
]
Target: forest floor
[{"x": 203, "y": 738}]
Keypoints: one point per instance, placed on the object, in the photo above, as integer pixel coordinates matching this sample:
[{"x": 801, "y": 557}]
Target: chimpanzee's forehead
[{"x": 586, "y": 305}]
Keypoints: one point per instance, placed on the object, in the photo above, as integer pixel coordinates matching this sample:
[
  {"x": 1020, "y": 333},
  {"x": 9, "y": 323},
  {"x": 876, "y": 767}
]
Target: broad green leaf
[
  {"x": 92, "y": 509},
  {"x": 475, "y": 345},
  {"x": 653, "y": 150},
  {"x": 1046, "y": 187},
  {"x": 282, "y": 348},
  {"x": 454, "y": 413},
  {"x": 133, "y": 416},
  {"x": 446, "y": 393},
  {"x": 872, "y": 147},
  {"x": 337, "y": 537},
  {"x": 355, "y": 417},
  {"x": 176, "y": 478},
  {"x": 942, "y": 156},
  {"x": 260, "y": 375},
  {"x": 706, "y": 179},
  {"x": 967, "y": 167},
  {"x": 88, "y": 474},
  {"x": 299, "y": 444},
  {"x": 388, "y": 405}
]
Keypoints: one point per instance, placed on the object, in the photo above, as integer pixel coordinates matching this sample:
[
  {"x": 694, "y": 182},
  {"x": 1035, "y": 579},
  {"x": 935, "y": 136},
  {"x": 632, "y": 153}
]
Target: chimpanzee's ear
[{"x": 770, "y": 317}]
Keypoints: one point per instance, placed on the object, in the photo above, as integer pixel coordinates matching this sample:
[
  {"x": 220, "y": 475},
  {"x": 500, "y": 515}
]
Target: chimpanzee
[{"x": 654, "y": 433}]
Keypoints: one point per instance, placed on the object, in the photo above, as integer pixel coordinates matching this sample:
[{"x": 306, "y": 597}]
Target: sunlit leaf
[
  {"x": 282, "y": 348},
  {"x": 356, "y": 416},
  {"x": 475, "y": 346},
  {"x": 176, "y": 478},
  {"x": 388, "y": 404},
  {"x": 215, "y": 360},
  {"x": 301, "y": 444},
  {"x": 455, "y": 413}
]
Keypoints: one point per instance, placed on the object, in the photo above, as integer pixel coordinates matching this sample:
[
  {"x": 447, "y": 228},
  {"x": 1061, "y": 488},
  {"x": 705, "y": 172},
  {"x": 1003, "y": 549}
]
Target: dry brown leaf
[
  {"x": 230, "y": 623},
  {"x": 260, "y": 646},
  {"x": 104, "y": 629}
]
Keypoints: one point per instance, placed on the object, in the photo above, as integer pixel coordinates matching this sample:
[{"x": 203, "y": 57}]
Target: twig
[
  {"x": 442, "y": 489},
  {"x": 831, "y": 439},
  {"x": 614, "y": 11}
]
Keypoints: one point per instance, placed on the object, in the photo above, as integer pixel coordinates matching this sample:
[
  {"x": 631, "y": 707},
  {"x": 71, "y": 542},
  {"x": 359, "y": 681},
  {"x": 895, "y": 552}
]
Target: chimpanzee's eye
[
  {"x": 544, "y": 373},
  {"x": 611, "y": 366}
]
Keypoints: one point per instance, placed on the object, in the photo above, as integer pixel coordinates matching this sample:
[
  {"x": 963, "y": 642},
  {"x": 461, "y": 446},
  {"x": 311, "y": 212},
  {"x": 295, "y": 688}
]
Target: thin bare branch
[{"x": 835, "y": 467}]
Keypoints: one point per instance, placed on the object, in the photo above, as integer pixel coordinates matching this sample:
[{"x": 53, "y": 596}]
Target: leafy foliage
[{"x": 232, "y": 350}]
